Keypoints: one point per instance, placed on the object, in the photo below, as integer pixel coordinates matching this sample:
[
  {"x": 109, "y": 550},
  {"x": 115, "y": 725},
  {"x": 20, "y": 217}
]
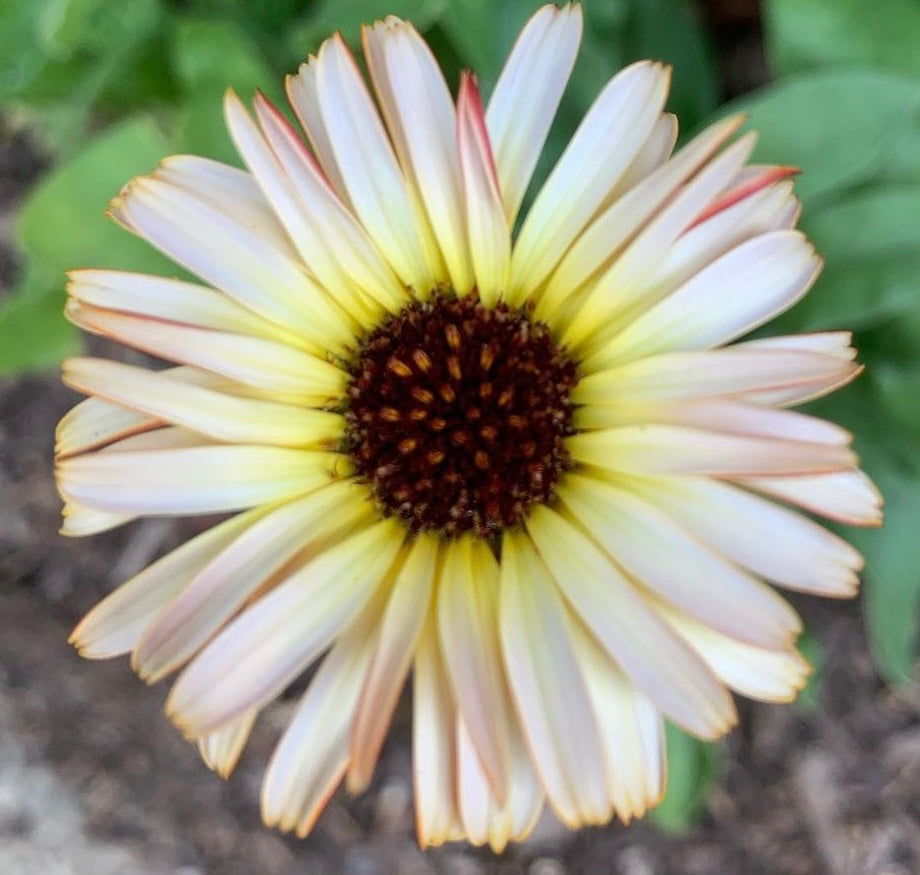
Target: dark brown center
[{"x": 458, "y": 414}]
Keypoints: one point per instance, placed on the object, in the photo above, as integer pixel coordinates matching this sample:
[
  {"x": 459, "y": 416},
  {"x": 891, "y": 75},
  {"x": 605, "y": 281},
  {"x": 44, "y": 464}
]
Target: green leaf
[
  {"x": 346, "y": 16},
  {"x": 891, "y": 591},
  {"x": 891, "y": 580},
  {"x": 871, "y": 244},
  {"x": 802, "y": 122},
  {"x": 810, "y": 648},
  {"x": 209, "y": 56},
  {"x": 691, "y": 764},
  {"x": 33, "y": 331},
  {"x": 803, "y": 34},
  {"x": 670, "y": 31},
  {"x": 62, "y": 224}
]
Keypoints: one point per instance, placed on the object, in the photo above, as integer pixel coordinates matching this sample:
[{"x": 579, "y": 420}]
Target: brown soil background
[{"x": 93, "y": 780}]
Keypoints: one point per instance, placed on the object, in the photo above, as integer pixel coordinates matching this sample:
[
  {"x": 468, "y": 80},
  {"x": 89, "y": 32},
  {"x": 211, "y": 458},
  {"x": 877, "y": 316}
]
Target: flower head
[{"x": 525, "y": 465}]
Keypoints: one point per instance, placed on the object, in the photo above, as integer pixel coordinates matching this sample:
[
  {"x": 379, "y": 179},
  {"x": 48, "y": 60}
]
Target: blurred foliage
[{"x": 110, "y": 88}]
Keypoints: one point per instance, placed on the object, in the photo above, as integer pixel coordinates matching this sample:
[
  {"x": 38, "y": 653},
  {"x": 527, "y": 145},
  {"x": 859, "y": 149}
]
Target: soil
[{"x": 93, "y": 780}]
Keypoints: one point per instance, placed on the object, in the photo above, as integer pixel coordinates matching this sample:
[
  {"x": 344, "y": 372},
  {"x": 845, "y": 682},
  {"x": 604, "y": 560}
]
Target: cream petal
[
  {"x": 194, "y": 480},
  {"x": 709, "y": 240},
  {"x": 302, "y": 94},
  {"x": 771, "y": 541},
  {"x": 334, "y": 225},
  {"x": 766, "y": 675},
  {"x": 467, "y": 605},
  {"x": 774, "y": 269},
  {"x": 434, "y": 753},
  {"x": 400, "y": 629},
  {"x": 654, "y": 153},
  {"x": 835, "y": 343},
  {"x": 549, "y": 691},
  {"x": 376, "y": 188},
  {"x": 93, "y": 423},
  {"x": 309, "y": 761},
  {"x": 301, "y": 223},
  {"x": 221, "y": 749},
  {"x": 602, "y": 148},
  {"x": 490, "y": 242},
  {"x": 666, "y": 559},
  {"x": 174, "y": 301},
  {"x": 633, "y": 731},
  {"x": 227, "y": 189},
  {"x": 847, "y": 496},
  {"x": 648, "y": 651},
  {"x": 215, "y": 414},
  {"x": 485, "y": 820},
  {"x": 737, "y": 370},
  {"x": 116, "y": 624},
  {"x": 288, "y": 374},
  {"x": 527, "y": 94},
  {"x": 296, "y": 531},
  {"x": 80, "y": 520},
  {"x": 675, "y": 449},
  {"x": 624, "y": 289},
  {"x": 420, "y": 115},
  {"x": 261, "y": 651},
  {"x": 230, "y": 254},
  {"x": 725, "y": 415},
  {"x": 597, "y": 247}
]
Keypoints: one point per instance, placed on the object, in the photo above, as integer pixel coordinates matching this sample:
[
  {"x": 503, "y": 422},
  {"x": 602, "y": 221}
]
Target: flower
[{"x": 525, "y": 465}]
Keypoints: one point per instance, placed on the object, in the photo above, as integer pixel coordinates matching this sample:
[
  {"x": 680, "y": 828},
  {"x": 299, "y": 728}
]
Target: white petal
[
  {"x": 775, "y": 270},
  {"x": 527, "y": 94},
  {"x": 80, "y": 520},
  {"x": 766, "y": 675},
  {"x": 602, "y": 148},
  {"x": 116, "y": 624},
  {"x": 302, "y": 94},
  {"x": 632, "y": 731},
  {"x": 724, "y": 415},
  {"x": 654, "y": 152},
  {"x": 400, "y": 629},
  {"x": 257, "y": 655},
  {"x": 624, "y": 289},
  {"x": 546, "y": 682},
  {"x": 230, "y": 254},
  {"x": 484, "y": 818},
  {"x": 490, "y": 241},
  {"x": 783, "y": 546},
  {"x": 333, "y": 223},
  {"x": 286, "y": 373},
  {"x": 709, "y": 240},
  {"x": 434, "y": 753},
  {"x": 417, "y": 104},
  {"x": 674, "y": 449},
  {"x": 298, "y": 530},
  {"x": 651, "y": 655},
  {"x": 468, "y": 628},
  {"x": 174, "y": 301},
  {"x": 215, "y": 414},
  {"x": 221, "y": 749},
  {"x": 735, "y": 370},
  {"x": 847, "y": 496},
  {"x": 312, "y": 756},
  {"x": 665, "y": 558},
  {"x": 94, "y": 423},
  {"x": 599, "y": 244},
  {"x": 369, "y": 170},
  {"x": 301, "y": 223},
  {"x": 193, "y": 480},
  {"x": 228, "y": 189}
]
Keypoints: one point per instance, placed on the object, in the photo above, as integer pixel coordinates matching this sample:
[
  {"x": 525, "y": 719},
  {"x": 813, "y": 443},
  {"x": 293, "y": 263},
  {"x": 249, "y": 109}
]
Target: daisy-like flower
[{"x": 523, "y": 465}]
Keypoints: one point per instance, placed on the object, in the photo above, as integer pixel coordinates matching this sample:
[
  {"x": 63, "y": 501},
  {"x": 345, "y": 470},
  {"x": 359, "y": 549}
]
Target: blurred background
[{"x": 92, "y": 778}]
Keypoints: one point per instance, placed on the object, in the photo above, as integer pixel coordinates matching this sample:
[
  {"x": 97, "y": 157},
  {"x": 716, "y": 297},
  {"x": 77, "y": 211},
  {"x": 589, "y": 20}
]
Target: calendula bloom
[{"x": 522, "y": 464}]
